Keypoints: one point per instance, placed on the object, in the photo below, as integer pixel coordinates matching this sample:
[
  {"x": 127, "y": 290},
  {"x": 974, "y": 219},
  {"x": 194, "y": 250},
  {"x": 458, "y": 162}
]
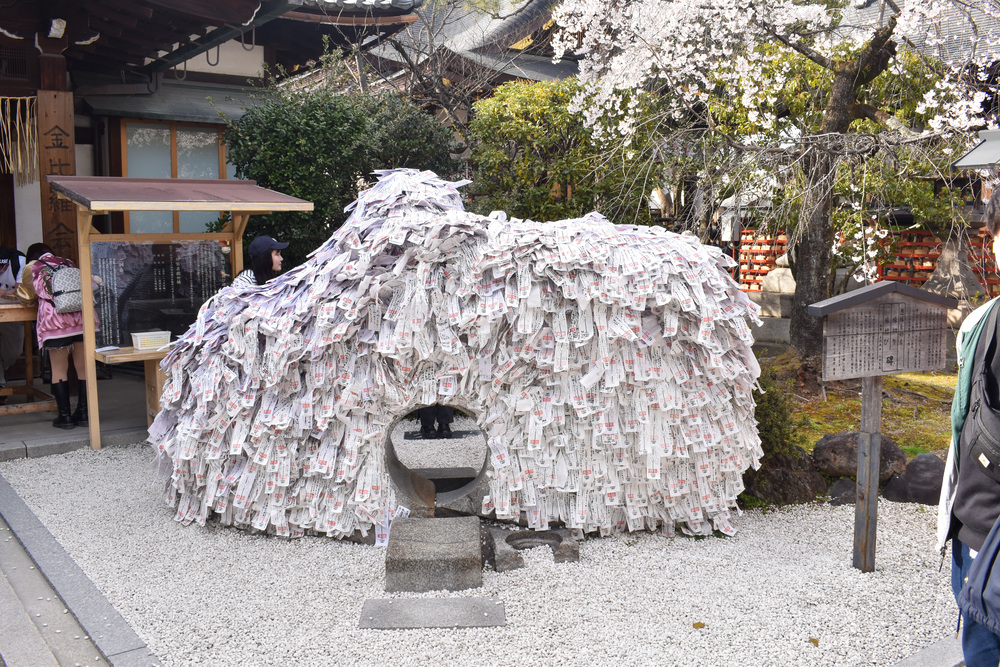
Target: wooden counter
[{"x": 36, "y": 400}]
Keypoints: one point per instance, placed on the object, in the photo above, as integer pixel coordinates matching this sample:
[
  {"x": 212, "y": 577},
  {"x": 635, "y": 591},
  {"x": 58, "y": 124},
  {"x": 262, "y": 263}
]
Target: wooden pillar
[
  {"x": 236, "y": 253},
  {"x": 83, "y": 228},
  {"x": 869, "y": 454},
  {"x": 57, "y": 156}
]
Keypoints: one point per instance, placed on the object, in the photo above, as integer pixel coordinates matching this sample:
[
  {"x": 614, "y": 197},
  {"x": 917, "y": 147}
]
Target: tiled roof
[
  {"x": 963, "y": 32},
  {"x": 482, "y": 37},
  {"x": 383, "y": 5}
]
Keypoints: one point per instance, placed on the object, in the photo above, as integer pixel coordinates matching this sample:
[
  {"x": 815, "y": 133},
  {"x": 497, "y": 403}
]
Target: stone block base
[{"x": 434, "y": 554}]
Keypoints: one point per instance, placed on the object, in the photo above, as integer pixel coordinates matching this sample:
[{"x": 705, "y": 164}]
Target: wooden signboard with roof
[
  {"x": 880, "y": 329},
  {"x": 100, "y": 195}
]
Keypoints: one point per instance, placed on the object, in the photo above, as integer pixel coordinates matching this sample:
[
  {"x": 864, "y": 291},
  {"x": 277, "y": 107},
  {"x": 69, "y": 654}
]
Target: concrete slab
[
  {"x": 433, "y": 613},
  {"x": 434, "y": 554},
  {"x": 12, "y": 450},
  {"x": 500, "y": 555},
  {"x": 773, "y": 304},
  {"x": 46, "y": 613},
  {"x": 772, "y": 329},
  {"x": 945, "y": 652}
]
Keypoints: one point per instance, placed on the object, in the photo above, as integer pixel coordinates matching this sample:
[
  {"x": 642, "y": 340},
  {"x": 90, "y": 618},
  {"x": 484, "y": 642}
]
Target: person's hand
[{"x": 7, "y": 293}]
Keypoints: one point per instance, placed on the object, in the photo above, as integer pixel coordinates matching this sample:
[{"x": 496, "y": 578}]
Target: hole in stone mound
[
  {"x": 454, "y": 465},
  {"x": 524, "y": 539}
]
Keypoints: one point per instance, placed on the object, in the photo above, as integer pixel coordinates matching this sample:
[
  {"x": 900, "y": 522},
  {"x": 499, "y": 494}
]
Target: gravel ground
[
  {"x": 222, "y": 597},
  {"x": 466, "y": 452}
]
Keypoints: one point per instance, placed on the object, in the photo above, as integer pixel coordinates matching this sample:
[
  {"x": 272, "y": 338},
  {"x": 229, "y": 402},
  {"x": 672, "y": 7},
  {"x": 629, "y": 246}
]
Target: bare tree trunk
[
  {"x": 814, "y": 243},
  {"x": 811, "y": 252}
]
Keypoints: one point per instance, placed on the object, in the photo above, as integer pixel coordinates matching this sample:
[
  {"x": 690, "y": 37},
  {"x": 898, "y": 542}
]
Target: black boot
[
  {"x": 60, "y": 391},
  {"x": 80, "y": 415},
  {"x": 444, "y": 431}
]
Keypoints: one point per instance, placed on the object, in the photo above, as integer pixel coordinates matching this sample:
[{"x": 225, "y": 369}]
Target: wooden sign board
[
  {"x": 56, "y": 157},
  {"x": 873, "y": 331},
  {"x": 154, "y": 286},
  {"x": 890, "y": 334}
]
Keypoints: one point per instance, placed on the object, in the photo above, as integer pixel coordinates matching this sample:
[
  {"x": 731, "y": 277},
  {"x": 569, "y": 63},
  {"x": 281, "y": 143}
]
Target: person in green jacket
[{"x": 980, "y": 646}]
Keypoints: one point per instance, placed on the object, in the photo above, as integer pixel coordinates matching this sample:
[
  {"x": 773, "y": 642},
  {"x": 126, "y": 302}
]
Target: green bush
[
  {"x": 780, "y": 432},
  {"x": 534, "y": 158},
  {"x": 319, "y": 145}
]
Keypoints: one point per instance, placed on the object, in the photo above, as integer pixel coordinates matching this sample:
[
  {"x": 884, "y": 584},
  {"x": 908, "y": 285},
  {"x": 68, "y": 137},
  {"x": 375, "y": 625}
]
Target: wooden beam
[
  {"x": 236, "y": 253},
  {"x": 869, "y": 454},
  {"x": 217, "y": 12},
  {"x": 83, "y": 229},
  {"x": 129, "y": 7}
]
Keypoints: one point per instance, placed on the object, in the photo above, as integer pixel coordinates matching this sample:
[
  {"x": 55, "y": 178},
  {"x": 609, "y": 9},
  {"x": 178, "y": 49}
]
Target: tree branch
[
  {"x": 807, "y": 51},
  {"x": 877, "y": 53},
  {"x": 883, "y": 118}
]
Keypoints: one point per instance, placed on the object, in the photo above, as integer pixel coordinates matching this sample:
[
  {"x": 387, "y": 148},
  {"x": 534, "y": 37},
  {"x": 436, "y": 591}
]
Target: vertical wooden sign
[{"x": 57, "y": 155}]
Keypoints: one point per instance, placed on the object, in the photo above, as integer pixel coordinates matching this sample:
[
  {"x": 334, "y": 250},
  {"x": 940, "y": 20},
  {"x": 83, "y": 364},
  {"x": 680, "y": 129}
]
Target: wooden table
[
  {"x": 37, "y": 400},
  {"x": 155, "y": 377}
]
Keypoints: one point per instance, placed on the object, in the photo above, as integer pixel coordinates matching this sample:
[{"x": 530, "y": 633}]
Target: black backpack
[{"x": 980, "y": 594}]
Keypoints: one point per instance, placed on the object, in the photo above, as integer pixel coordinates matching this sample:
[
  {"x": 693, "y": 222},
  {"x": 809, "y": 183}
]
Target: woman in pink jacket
[{"x": 61, "y": 334}]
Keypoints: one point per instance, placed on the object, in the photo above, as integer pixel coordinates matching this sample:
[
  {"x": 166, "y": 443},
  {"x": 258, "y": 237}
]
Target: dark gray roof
[
  {"x": 524, "y": 65},
  {"x": 480, "y": 36},
  {"x": 174, "y": 101},
  {"x": 873, "y": 291}
]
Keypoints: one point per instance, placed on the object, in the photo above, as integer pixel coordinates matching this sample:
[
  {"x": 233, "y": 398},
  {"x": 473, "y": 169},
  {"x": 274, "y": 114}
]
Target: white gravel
[
  {"x": 219, "y": 596},
  {"x": 465, "y": 452}
]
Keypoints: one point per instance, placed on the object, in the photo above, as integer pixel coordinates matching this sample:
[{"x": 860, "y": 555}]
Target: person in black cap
[{"x": 265, "y": 262}]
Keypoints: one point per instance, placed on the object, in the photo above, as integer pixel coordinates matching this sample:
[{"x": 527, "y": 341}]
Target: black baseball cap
[{"x": 265, "y": 244}]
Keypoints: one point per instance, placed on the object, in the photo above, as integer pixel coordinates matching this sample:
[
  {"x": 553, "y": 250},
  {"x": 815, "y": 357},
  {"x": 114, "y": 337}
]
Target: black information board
[{"x": 154, "y": 286}]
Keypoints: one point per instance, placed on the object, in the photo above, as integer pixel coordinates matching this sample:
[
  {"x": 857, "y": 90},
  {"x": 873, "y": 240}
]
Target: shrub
[{"x": 319, "y": 144}]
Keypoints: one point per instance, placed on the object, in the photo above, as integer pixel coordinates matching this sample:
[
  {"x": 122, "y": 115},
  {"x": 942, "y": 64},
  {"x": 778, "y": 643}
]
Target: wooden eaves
[{"x": 97, "y": 195}]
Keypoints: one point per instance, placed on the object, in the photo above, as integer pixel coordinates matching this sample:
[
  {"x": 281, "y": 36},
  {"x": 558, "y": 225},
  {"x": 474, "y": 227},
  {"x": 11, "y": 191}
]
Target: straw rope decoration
[{"x": 19, "y": 138}]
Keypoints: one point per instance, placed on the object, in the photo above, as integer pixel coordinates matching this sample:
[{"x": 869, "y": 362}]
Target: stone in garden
[
  {"x": 498, "y": 553},
  {"x": 783, "y": 480},
  {"x": 836, "y": 455},
  {"x": 844, "y": 492},
  {"x": 895, "y": 490},
  {"x": 463, "y": 612},
  {"x": 434, "y": 554},
  {"x": 923, "y": 479}
]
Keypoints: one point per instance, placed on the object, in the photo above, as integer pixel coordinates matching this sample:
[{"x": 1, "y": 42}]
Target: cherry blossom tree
[{"x": 785, "y": 93}]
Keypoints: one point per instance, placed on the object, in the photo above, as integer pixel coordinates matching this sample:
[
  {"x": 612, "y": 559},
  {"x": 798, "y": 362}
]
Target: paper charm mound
[{"x": 608, "y": 367}]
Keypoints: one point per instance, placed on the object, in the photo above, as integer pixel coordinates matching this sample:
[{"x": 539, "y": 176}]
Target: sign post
[{"x": 880, "y": 329}]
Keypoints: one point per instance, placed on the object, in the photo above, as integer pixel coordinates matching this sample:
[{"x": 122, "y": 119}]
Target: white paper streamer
[{"x": 609, "y": 368}]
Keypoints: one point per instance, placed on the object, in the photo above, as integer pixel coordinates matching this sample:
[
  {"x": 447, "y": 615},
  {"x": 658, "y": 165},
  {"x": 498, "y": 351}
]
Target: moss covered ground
[{"x": 916, "y": 410}]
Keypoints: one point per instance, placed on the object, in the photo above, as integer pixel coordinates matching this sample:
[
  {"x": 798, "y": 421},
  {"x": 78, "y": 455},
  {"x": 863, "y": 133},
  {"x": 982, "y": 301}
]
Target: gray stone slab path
[
  {"x": 110, "y": 633},
  {"x": 433, "y": 613}
]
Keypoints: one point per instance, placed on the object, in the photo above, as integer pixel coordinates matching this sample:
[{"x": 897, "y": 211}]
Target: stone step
[
  {"x": 434, "y": 554},
  {"x": 21, "y": 645}
]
